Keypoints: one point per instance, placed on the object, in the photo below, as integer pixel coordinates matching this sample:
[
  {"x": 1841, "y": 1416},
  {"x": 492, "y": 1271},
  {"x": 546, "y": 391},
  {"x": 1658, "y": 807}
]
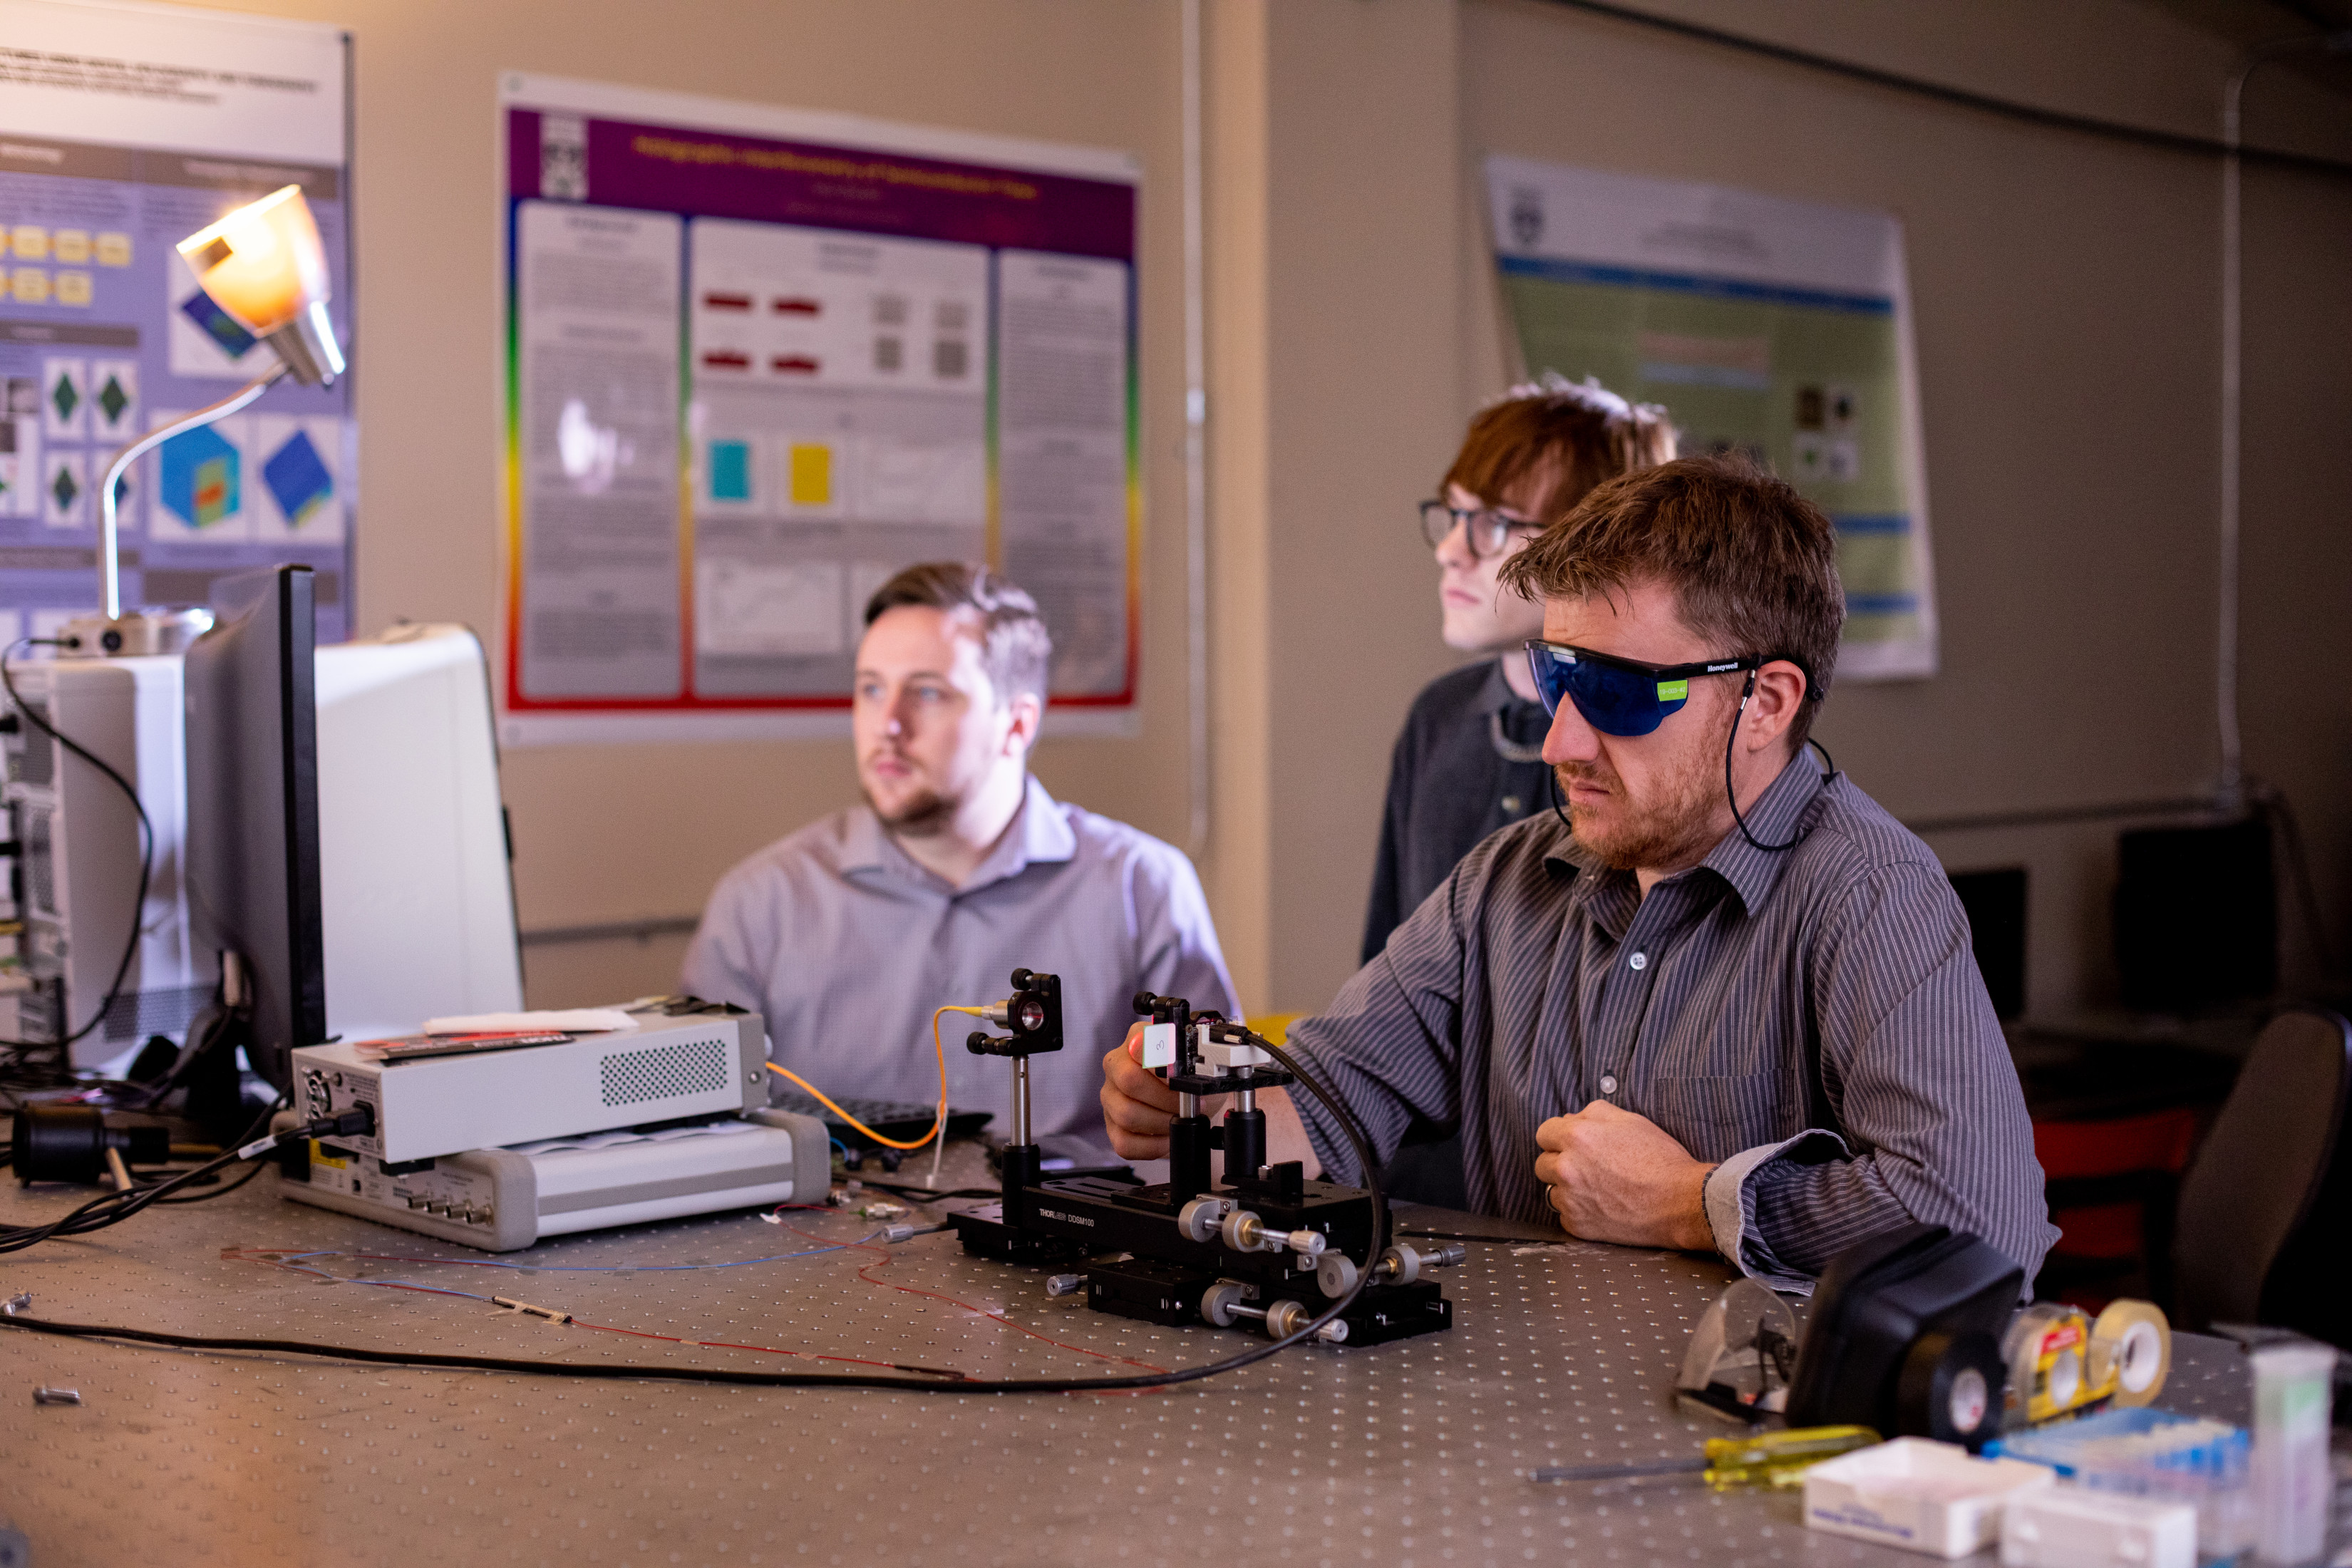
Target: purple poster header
[{"x": 713, "y": 173}]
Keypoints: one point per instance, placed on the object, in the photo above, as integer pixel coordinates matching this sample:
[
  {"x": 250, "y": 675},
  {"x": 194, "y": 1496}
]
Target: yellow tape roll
[
  {"x": 2047, "y": 1349},
  {"x": 2132, "y": 1342}
]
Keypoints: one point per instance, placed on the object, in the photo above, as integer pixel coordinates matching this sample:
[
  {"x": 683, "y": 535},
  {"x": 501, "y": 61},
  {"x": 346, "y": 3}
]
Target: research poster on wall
[
  {"x": 122, "y": 131},
  {"x": 1775, "y": 328},
  {"x": 757, "y": 362}
]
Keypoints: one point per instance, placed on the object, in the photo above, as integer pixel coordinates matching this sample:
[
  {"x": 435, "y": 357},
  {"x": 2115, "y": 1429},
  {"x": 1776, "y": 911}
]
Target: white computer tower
[{"x": 76, "y": 873}]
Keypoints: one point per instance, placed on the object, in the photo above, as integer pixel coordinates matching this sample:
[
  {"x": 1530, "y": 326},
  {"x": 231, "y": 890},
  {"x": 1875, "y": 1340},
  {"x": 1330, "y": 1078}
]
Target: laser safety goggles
[{"x": 1618, "y": 696}]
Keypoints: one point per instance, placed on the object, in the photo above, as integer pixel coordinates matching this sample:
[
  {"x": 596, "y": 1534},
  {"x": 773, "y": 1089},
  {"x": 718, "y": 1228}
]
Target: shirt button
[
  {"x": 1639, "y": 961},
  {"x": 1510, "y": 802},
  {"x": 1608, "y": 1083}
]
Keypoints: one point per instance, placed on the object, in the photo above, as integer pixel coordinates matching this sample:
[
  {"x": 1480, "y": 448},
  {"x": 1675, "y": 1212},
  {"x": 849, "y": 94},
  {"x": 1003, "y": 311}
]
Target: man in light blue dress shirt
[{"x": 957, "y": 869}]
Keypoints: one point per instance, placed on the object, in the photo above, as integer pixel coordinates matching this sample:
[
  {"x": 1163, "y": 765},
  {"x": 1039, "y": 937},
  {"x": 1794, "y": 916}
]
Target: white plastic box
[
  {"x": 2074, "y": 1527},
  {"x": 1918, "y": 1495}
]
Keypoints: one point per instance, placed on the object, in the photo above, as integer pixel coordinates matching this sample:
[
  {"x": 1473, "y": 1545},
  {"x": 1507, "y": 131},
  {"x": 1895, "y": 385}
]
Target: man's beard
[
  {"x": 1674, "y": 827},
  {"x": 923, "y": 814}
]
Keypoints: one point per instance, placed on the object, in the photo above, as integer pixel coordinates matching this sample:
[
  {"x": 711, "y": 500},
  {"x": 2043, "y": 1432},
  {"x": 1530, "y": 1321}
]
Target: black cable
[
  {"x": 113, "y": 1208},
  {"x": 1250, "y": 1357},
  {"x": 2031, "y": 114},
  {"x": 1732, "y": 793},
  {"x": 146, "y": 851},
  {"x": 923, "y": 1194},
  {"x": 212, "y": 1031},
  {"x": 1367, "y": 1166},
  {"x": 220, "y": 1192}
]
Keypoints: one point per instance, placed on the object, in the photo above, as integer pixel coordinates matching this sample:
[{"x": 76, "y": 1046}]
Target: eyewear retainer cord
[
  {"x": 1560, "y": 800},
  {"x": 1732, "y": 793}
]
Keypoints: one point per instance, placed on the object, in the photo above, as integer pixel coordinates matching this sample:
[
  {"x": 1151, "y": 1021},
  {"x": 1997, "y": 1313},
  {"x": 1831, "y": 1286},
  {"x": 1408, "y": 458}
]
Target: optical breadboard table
[{"x": 1413, "y": 1453}]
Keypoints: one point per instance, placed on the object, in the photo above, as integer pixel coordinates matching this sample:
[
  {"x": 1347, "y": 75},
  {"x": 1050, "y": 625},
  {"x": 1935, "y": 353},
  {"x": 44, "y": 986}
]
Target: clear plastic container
[
  {"x": 2290, "y": 1457},
  {"x": 2156, "y": 1455}
]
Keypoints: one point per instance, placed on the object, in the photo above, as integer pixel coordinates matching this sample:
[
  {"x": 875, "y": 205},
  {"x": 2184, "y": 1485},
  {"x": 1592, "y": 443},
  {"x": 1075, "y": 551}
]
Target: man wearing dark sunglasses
[{"x": 1721, "y": 1000}]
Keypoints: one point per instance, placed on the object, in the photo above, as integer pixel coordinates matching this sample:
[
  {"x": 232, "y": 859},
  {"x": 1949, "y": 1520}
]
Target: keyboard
[{"x": 902, "y": 1120}]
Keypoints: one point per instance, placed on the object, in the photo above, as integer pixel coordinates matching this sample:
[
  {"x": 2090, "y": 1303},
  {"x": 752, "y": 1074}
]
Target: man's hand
[
  {"x": 1137, "y": 1106},
  {"x": 1616, "y": 1175}
]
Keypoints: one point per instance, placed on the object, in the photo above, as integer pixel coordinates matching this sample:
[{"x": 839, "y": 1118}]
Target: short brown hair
[
  {"x": 1752, "y": 564},
  {"x": 1015, "y": 648},
  {"x": 1565, "y": 436}
]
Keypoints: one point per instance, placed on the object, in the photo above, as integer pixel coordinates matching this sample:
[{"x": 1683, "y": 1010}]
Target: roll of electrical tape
[
  {"x": 1949, "y": 1389},
  {"x": 2046, "y": 1350},
  {"x": 2134, "y": 1340}
]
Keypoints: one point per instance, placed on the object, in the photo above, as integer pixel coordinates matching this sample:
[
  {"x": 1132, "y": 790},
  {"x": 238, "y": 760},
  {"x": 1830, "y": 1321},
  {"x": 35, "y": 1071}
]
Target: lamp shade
[{"x": 263, "y": 263}]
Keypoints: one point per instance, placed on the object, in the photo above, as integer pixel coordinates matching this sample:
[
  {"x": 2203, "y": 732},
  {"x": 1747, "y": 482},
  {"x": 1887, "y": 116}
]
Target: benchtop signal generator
[{"x": 1265, "y": 1245}]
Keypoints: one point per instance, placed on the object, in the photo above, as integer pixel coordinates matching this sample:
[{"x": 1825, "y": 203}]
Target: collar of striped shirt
[{"x": 1790, "y": 804}]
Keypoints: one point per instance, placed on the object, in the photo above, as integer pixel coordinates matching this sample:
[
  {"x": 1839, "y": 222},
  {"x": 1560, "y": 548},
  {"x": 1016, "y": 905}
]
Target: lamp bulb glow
[{"x": 263, "y": 263}]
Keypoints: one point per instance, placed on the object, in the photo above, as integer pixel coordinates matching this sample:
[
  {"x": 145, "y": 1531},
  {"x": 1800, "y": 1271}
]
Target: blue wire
[
  {"x": 839, "y": 1145},
  {"x": 295, "y": 1262}
]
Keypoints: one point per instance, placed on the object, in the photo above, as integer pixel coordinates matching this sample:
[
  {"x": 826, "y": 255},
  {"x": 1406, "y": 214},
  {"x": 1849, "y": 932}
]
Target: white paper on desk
[
  {"x": 623, "y": 1135},
  {"x": 571, "y": 1021}
]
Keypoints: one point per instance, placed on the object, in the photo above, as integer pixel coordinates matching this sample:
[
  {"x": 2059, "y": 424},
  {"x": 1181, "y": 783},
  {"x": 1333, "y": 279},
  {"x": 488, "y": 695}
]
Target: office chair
[{"x": 2265, "y": 1208}]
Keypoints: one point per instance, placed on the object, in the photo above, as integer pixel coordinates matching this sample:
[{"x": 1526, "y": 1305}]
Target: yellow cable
[{"x": 939, "y": 1122}]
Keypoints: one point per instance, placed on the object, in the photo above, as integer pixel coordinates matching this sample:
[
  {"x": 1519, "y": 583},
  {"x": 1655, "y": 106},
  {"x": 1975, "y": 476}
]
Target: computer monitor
[
  {"x": 253, "y": 809},
  {"x": 419, "y": 905}
]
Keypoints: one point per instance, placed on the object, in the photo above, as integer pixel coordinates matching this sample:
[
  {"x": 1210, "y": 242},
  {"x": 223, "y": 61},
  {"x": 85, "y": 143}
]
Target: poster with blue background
[{"x": 122, "y": 131}]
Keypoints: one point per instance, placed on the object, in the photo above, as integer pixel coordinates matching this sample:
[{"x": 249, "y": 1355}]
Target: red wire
[
  {"x": 262, "y": 1255},
  {"x": 865, "y": 1273},
  {"x": 764, "y": 1350}
]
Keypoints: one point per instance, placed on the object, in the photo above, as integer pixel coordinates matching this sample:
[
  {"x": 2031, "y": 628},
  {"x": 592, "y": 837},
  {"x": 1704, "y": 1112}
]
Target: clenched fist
[{"x": 1616, "y": 1175}]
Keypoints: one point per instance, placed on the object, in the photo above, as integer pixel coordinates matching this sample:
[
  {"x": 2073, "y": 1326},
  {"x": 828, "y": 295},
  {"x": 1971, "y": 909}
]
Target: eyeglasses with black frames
[{"x": 1489, "y": 533}]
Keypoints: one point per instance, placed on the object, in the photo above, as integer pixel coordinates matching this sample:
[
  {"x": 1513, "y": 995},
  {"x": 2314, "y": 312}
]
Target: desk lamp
[{"x": 264, "y": 266}]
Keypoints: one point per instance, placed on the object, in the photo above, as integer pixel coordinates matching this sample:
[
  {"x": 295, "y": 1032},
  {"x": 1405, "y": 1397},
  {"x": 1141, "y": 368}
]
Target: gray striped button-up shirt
[{"x": 1812, "y": 1019}]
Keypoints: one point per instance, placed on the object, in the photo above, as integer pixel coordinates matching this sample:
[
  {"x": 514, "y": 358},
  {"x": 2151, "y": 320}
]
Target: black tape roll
[
  {"x": 69, "y": 1143},
  {"x": 1950, "y": 1389}
]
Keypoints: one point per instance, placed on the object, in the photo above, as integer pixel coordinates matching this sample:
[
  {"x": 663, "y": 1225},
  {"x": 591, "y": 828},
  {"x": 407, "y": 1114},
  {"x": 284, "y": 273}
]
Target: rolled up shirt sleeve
[
  {"x": 1388, "y": 1047},
  {"x": 1927, "y": 1121}
]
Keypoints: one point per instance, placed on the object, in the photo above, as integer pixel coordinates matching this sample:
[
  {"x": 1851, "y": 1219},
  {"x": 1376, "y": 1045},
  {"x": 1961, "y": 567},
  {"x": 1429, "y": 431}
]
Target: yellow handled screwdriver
[{"x": 1762, "y": 1459}]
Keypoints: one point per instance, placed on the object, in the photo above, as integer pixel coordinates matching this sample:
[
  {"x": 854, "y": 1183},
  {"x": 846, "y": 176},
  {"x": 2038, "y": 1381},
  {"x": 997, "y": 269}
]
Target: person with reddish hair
[{"x": 1470, "y": 757}]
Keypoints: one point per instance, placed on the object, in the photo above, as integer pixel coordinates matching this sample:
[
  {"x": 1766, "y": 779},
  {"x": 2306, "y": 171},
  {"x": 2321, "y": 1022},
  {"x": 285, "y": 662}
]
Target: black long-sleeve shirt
[{"x": 1450, "y": 785}]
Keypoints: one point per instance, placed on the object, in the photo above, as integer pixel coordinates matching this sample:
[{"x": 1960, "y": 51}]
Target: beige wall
[
  {"x": 2065, "y": 292},
  {"x": 2067, "y": 327},
  {"x": 620, "y": 833}
]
